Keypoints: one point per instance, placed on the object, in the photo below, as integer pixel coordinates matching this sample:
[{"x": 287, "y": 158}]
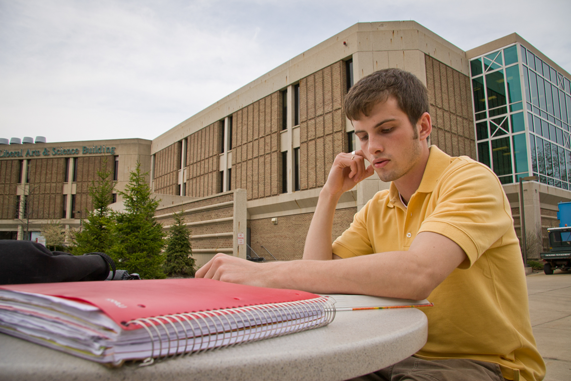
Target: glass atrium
[{"x": 522, "y": 115}]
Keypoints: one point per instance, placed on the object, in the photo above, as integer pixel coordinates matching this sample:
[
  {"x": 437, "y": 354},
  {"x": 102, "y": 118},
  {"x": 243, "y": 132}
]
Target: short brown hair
[{"x": 410, "y": 93}]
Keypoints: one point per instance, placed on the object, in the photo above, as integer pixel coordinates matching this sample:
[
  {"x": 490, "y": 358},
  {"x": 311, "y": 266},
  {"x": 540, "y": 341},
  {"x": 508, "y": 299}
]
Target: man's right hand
[{"x": 347, "y": 170}]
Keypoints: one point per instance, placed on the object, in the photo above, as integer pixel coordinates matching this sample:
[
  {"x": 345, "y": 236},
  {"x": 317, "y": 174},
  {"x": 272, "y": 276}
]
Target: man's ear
[{"x": 424, "y": 126}]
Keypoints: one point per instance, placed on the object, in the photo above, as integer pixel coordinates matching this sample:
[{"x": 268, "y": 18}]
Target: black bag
[{"x": 31, "y": 262}]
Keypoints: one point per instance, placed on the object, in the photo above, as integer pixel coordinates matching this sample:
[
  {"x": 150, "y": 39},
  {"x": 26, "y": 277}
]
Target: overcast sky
[{"x": 110, "y": 69}]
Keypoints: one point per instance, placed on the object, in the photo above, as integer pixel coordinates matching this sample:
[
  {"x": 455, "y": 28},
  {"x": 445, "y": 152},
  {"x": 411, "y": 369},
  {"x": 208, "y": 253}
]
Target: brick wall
[
  {"x": 451, "y": 109},
  {"x": 9, "y": 180},
  {"x": 87, "y": 168},
  {"x": 203, "y": 161},
  {"x": 46, "y": 178},
  {"x": 256, "y": 156},
  {"x": 167, "y": 166},
  {"x": 322, "y": 124},
  {"x": 286, "y": 239},
  {"x": 210, "y": 221}
]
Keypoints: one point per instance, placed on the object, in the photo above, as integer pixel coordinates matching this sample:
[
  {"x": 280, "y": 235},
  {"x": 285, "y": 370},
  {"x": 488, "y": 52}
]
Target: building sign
[
  {"x": 84, "y": 150},
  {"x": 241, "y": 239}
]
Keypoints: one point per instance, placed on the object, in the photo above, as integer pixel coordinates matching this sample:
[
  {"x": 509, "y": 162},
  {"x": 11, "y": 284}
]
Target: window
[
  {"x": 66, "y": 174},
  {"x": 64, "y": 207},
  {"x": 351, "y": 145},
  {"x": 230, "y": 133},
  {"x": 25, "y": 208},
  {"x": 283, "y": 94},
  {"x": 116, "y": 169},
  {"x": 221, "y": 134},
  {"x": 297, "y": 169},
  {"x": 113, "y": 198},
  {"x": 74, "y": 178},
  {"x": 229, "y": 178},
  {"x": 72, "y": 206},
  {"x": 284, "y": 172},
  {"x": 21, "y": 169},
  {"x": 296, "y": 116},
  {"x": 18, "y": 202},
  {"x": 221, "y": 182},
  {"x": 349, "y": 73}
]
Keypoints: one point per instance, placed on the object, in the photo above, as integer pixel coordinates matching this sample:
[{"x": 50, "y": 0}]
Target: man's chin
[{"x": 386, "y": 177}]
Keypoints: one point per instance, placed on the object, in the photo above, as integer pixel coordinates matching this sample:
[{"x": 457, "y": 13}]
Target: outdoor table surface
[{"x": 355, "y": 343}]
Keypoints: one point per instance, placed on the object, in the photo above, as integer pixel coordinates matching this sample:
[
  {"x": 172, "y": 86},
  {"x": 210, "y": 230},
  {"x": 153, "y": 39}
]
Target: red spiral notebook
[{"x": 115, "y": 321}]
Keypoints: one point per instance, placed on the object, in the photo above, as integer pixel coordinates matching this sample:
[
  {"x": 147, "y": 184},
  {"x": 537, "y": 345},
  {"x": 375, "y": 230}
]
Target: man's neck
[{"x": 409, "y": 183}]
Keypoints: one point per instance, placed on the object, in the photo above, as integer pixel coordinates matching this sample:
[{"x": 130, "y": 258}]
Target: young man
[{"x": 443, "y": 231}]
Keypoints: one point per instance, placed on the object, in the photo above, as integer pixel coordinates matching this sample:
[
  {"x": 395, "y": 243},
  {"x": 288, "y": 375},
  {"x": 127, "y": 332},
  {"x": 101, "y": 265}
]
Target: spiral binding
[{"x": 196, "y": 332}]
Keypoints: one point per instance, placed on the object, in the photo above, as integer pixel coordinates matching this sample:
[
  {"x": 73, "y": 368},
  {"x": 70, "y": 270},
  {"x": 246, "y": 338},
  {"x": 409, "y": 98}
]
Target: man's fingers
[{"x": 210, "y": 269}]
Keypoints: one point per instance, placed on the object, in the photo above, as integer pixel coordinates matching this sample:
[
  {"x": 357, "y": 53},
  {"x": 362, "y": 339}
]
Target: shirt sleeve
[
  {"x": 471, "y": 209},
  {"x": 355, "y": 240}
]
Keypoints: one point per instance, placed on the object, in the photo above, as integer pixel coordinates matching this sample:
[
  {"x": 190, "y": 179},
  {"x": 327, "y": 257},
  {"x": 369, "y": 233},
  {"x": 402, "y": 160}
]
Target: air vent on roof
[
  {"x": 40, "y": 139},
  {"x": 4, "y": 141},
  {"x": 15, "y": 141},
  {"x": 28, "y": 140}
]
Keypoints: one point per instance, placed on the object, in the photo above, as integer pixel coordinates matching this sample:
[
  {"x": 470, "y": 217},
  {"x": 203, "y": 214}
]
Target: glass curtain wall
[{"x": 522, "y": 114}]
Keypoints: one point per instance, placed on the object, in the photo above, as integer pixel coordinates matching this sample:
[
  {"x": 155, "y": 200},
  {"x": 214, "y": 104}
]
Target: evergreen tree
[
  {"x": 137, "y": 236},
  {"x": 178, "y": 260},
  {"x": 95, "y": 233}
]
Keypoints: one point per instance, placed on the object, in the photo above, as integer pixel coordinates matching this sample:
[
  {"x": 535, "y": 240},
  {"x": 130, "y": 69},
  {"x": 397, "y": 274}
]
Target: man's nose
[{"x": 375, "y": 145}]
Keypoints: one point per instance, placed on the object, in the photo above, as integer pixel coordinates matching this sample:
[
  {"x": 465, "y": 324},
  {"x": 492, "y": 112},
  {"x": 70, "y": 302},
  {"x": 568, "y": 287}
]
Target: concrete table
[{"x": 355, "y": 343}]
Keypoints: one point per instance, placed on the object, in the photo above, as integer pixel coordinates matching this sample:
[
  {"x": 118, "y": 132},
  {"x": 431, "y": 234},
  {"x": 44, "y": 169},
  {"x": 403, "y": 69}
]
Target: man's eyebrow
[{"x": 377, "y": 125}]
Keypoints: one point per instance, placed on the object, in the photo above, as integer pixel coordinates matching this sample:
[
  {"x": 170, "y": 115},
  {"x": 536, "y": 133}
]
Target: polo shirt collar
[{"x": 437, "y": 163}]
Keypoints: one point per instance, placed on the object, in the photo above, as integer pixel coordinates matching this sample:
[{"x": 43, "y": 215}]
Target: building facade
[
  {"x": 45, "y": 182},
  {"x": 277, "y": 137},
  {"x": 247, "y": 170},
  {"x": 522, "y": 113}
]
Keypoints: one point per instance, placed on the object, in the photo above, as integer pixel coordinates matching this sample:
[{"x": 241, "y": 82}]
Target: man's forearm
[
  {"x": 318, "y": 240},
  {"x": 411, "y": 274}
]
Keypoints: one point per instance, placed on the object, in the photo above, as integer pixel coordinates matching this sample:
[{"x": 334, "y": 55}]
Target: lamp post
[{"x": 522, "y": 217}]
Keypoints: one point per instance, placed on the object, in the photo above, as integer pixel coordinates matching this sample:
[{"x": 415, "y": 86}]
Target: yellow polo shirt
[{"x": 481, "y": 309}]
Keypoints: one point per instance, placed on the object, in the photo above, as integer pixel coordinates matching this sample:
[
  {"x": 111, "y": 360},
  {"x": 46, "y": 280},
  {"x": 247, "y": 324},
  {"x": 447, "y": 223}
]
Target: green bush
[{"x": 536, "y": 265}]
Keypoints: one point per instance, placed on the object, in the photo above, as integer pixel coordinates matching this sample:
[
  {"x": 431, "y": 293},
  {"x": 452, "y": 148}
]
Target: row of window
[
  {"x": 500, "y": 118},
  {"x": 75, "y": 213},
  {"x": 226, "y": 140},
  {"x": 66, "y": 173},
  {"x": 550, "y": 162}
]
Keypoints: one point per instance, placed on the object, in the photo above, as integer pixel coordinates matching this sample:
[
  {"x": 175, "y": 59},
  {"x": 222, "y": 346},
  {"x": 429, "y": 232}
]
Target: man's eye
[
  {"x": 386, "y": 130},
  {"x": 363, "y": 137}
]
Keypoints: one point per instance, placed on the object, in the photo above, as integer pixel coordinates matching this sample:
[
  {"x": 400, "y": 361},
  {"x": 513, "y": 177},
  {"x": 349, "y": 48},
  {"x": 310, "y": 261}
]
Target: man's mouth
[{"x": 380, "y": 163}]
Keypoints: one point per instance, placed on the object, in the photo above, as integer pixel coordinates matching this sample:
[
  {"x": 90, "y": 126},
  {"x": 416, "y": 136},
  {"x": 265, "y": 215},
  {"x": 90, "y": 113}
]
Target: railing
[
  {"x": 257, "y": 258},
  {"x": 250, "y": 258},
  {"x": 263, "y": 247}
]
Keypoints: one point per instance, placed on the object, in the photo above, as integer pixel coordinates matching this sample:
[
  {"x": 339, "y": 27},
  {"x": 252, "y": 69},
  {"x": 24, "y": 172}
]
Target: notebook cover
[{"x": 123, "y": 301}]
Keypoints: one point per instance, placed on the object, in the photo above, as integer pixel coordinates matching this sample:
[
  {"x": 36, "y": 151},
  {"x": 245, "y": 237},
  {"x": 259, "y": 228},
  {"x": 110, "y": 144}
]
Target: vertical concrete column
[
  {"x": 24, "y": 179},
  {"x": 224, "y": 158},
  {"x": 239, "y": 249},
  {"x": 181, "y": 175},
  {"x": 533, "y": 228},
  {"x": 289, "y": 139},
  {"x": 24, "y": 192},
  {"x": 71, "y": 169},
  {"x": 152, "y": 173},
  {"x": 363, "y": 65}
]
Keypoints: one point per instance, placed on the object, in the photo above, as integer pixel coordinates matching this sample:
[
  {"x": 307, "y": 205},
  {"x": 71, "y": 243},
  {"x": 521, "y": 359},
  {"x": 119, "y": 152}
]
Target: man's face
[{"x": 389, "y": 141}]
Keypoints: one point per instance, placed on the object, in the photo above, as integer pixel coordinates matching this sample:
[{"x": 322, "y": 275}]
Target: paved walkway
[{"x": 550, "y": 310}]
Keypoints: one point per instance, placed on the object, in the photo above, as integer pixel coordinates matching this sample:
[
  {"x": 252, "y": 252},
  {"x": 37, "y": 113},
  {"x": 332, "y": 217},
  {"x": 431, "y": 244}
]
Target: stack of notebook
[{"x": 112, "y": 322}]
